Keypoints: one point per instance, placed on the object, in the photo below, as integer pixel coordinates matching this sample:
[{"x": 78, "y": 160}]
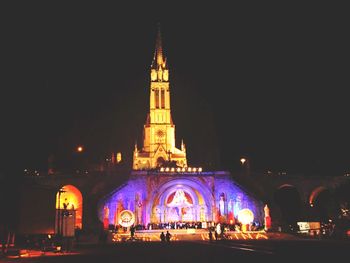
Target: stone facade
[{"x": 158, "y": 197}]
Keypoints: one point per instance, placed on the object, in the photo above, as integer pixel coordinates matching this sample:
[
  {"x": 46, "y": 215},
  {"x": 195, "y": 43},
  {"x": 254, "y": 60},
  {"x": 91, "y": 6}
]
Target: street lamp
[
  {"x": 59, "y": 225},
  {"x": 80, "y": 149},
  {"x": 79, "y": 162},
  {"x": 246, "y": 165}
]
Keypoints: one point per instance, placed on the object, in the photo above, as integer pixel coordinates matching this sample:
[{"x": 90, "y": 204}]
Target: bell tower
[{"x": 159, "y": 129}]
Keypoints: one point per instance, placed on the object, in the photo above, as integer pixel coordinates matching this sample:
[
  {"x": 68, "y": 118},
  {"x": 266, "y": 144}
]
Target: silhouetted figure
[
  {"x": 216, "y": 235},
  {"x": 162, "y": 237},
  {"x": 65, "y": 204},
  {"x": 222, "y": 228},
  {"x": 132, "y": 231},
  {"x": 168, "y": 236},
  {"x": 210, "y": 236}
]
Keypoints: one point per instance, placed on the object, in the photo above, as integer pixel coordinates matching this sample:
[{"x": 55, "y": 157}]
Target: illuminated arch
[
  {"x": 314, "y": 194},
  {"x": 199, "y": 193},
  {"x": 71, "y": 195},
  {"x": 285, "y": 186},
  {"x": 200, "y": 197}
]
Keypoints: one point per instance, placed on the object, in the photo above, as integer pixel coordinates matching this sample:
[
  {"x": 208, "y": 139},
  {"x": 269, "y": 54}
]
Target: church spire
[
  {"x": 159, "y": 69},
  {"x": 159, "y": 49},
  {"x": 159, "y": 130},
  {"x": 135, "y": 149}
]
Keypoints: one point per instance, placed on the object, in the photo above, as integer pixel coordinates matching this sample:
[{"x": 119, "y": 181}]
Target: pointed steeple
[
  {"x": 135, "y": 149},
  {"x": 159, "y": 130},
  {"x": 159, "y": 67},
  {"x": 183, "y": 147},
  {"x": 159, "y": 48}
]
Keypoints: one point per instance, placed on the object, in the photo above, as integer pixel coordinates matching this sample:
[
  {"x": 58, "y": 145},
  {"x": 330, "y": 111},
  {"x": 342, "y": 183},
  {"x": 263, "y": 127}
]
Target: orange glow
[
  {"x": 244, "y": 236},
  {"x": 260, "y": 236},
  {"x": 243, "y": 160},
  {"x": 314, "y": 194},
  {"x": 80, "y": 149},
  {"x": 252, "y": 235},
  {"x": 119, "y": 157},
  {"x": 190, "y": 234},
  {"x": 73, "y": 199}
]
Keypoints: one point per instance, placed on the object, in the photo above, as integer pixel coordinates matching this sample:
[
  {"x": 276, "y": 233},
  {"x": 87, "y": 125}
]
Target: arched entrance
[
  {"x": 69, "y": 201},
  {"x": 181, "y": 200},
  {"x": 289, "y": 202}
]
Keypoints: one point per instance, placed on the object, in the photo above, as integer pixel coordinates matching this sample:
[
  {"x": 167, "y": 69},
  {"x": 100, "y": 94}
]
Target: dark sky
[{"x": 264, "y": 81}]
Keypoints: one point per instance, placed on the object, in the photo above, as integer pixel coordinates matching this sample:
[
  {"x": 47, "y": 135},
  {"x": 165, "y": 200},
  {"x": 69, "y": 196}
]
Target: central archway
[{"x": 181, "y": 200}]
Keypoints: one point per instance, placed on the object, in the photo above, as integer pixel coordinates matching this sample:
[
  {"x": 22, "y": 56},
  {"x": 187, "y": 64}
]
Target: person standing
[
  {"x": 162, "y": 237},
  {"x": 132, "y": 231},
  {"x": 216, "y": 235},
  {"x": 210, "y": 236},
  {"x": 168, "y": 236}
]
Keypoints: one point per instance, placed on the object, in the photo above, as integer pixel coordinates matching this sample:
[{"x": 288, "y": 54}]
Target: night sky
[{"x": 263, "y": 81}]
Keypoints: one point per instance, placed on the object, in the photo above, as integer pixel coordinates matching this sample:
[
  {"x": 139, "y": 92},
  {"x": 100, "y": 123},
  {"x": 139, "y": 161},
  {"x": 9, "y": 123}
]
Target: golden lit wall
[{"x": 73, "y": 197}]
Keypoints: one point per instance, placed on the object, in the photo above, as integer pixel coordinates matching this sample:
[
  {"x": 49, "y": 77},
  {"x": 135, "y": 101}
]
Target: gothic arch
[{"x": 315, "y": 193}]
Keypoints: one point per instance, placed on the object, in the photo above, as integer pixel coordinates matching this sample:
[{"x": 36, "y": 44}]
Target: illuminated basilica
[{"x": 163, "y": 188}]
